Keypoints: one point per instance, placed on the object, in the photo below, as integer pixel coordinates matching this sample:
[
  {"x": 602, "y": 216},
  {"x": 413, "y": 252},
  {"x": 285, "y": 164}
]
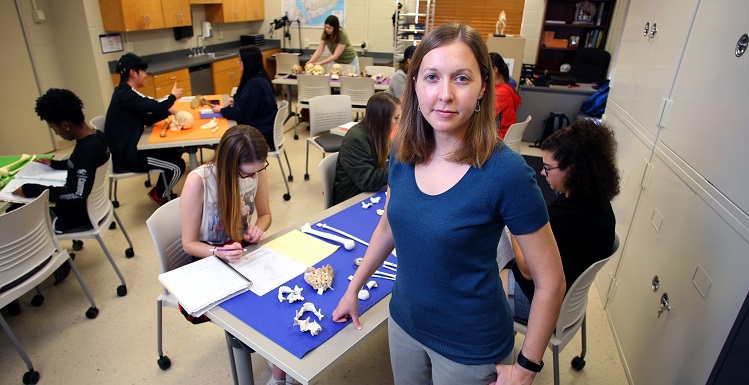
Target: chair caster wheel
[
  {"x": 578, "y": 363},
  {"x": 31, "y": 377},
  {"x": 129, "y": 253},
  {"x": 164, "y": 362},
  {"x": 296, "y": 137},
  {"x": 147, "y": 183},
  {"x": 92, "y": 312},
  {"x": 306, "y": 176},
  {"x": 286, "y": 197},
  {"x": 38, "y": 300},
  {"x": 116, "y": 204},
  {"x": 291, "y": 178},
  {"x": 77, "y": 245},
  {"x": 113, "y": 225},
  {"x": 13, "y": 308},
  {"x": 121, "y": 291}
]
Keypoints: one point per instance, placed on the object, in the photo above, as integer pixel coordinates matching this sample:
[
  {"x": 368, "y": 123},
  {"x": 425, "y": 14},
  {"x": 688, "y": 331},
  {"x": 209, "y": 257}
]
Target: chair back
[
  {"x": 311, "y": 86},
  {"x": 590, "y": 65},
  {"x": 166, "y": 232},
  {"x": 327, "y": 175},
  {"x": 278, "y": 126},
  {"x": 514, "y": 134},
  {"x": 26, "y": 240},
  {"x": 365, "y": 61},
  {"x": 97, "y": 122},
  {"x": 328, "y": 112},
  {"x": 98, "y": 204},
  {"x": 284, "y": 62},
  {"x": 359, "y": 89},
  {"x": 576, "y": 300},
  {"x": 385, "y": 70}
]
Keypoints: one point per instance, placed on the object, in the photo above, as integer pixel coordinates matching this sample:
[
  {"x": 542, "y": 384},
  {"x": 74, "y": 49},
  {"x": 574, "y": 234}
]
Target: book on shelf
[
  {"x": 32, "y": 173},
  {"x": 555, "y": 22},
  {"x": 203, "y": 284}
]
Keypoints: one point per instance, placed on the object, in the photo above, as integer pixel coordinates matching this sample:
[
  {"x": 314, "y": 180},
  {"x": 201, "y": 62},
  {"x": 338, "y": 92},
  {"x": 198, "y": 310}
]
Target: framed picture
[{"x": 111, "y": 42}]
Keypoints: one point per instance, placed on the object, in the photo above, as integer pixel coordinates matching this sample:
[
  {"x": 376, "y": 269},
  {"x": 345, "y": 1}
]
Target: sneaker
[
  {"x": 291, "y": 381},
  {"x": 273, "y": 381},
  {"x": 154, "y": 195}
]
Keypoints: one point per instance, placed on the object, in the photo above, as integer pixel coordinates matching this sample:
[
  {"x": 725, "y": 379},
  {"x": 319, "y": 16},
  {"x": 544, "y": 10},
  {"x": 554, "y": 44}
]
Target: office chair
[
  {"x": 365, "y": 61},
  {"x": 280, "y": 148},
  {"x": 29, "y": 253},
  {"x": 284, "y": 62},
  {"x": 309, "y": 86},
  {"x": 167, "y": 239},
  {"x": 327, "y": 175},
  {"x": 514, "y": 134},
  {"x": 591, "y": 65},
  {"x": 360, "y": 90},
  {"x": 98, "y": 123},
  {"x": 326, "y": 112},
  {"x": 100, "y": 211},
  {"x": 385, "y": 70},
  {"x": 572, "y": 314}
]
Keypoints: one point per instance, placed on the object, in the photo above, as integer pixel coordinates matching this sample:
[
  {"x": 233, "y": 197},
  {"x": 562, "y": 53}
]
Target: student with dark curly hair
[{"x": 579, "y": 164}]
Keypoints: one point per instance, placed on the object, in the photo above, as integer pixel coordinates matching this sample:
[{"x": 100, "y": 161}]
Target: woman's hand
[
  {"x": 254, "y": 234},
  {"x": 231, "y": 252},
  {"x": 46, "y": 161},
  {"x": 215, "y": 108},
  {"x": 347, "y": 307},
  {"x": 513, "y": 374}
]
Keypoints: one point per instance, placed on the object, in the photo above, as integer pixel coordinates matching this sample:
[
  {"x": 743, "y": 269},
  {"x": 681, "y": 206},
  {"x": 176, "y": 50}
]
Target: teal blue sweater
[{"x": 448, "y": 295}]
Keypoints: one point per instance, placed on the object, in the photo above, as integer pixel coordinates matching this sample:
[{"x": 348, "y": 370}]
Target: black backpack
[{"x": 555, "y": 121}]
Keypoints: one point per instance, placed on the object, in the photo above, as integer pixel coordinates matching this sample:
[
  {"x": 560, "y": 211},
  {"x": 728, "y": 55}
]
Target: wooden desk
[
  {"x": 540, "y": 101},
  {"x": 315, "y": 364},
  {"x": 190, "y": 139}
]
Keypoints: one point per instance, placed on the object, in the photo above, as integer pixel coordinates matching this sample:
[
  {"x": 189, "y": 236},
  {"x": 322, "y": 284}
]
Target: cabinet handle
[
  {"x": 741, "y": 45},
  {"x": 653, "y": 31},
  {"x": 145, "y": 20},
  {"x": 172, "y": 77},
  {"x": 646, "y": 29},
  {"x": 665, "y": 306}
]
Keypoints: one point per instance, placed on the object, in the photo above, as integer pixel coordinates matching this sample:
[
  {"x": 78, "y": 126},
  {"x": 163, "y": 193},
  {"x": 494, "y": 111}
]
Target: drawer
[
  {"x": 226, "y": 64},
  {"x": 171, "y": 77},
  {"x": 161, "y": 91}
]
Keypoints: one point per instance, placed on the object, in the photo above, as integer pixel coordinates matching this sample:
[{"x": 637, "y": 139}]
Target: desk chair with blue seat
[{"x": 29, "y": 254}]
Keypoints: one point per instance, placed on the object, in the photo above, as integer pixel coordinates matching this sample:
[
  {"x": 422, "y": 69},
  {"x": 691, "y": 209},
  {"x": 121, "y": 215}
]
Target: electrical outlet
[
  {"x": 221, "y": 35},
  {"x": 306, "y": 43},
  {"x": 129, "y": 46}
]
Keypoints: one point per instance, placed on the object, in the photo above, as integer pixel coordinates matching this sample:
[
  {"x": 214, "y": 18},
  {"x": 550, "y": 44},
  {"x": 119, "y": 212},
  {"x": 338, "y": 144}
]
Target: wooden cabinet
[
  {"x": 226, "y": 75},
  {"x": 131, "y": 15},
  {"x": 148, "y": 88},
  {"x": 176, "y": 13},
  {"x": 139, "y": 15},
  {"x": 270, "y": 66},
  {"x": 560, "y": 28},
  {"x": 230, "y": 11},
  {"x": 164, "y": 82}
]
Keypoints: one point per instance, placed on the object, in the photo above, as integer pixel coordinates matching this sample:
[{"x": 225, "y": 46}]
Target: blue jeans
[{"x": 520, "y": 305}]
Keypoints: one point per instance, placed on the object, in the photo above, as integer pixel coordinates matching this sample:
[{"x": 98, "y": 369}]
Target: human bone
[
  {"x": 306, "y": 326},
  {"x": 281, "y": 291},
  {"x": 293, "y": 294},
  {"x": 380, "y": 212},
  {"x": 371, "y": 284},
  {"x": 296, "y": 69},
  {"x": 183, "y": 120},
  {"x": 309, "y": 306},
  {"x": 334, "y": 76},
  {"x": 320, "y": 279},
  {"x": 199, "y": 100},
  {"x": 336, "y": 69},
  {"x": 363, "y": 295},
  {"x": 348, "y": 244},
  {"x": 374, "y": 200},
  {"x": 308, "y": 67},
  {"x": 379, "y": 77},
  {"x": 366, "y": 205},
  {"x": 211, "y": 124},
  {"x": 318, "y": 70}
]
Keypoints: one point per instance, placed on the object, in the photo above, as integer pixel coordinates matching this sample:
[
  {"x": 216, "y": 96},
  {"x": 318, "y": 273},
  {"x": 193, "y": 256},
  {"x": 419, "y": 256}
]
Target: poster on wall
[
  {"x": 111, "y": 42},
  {"x": 312, "y": 13}
]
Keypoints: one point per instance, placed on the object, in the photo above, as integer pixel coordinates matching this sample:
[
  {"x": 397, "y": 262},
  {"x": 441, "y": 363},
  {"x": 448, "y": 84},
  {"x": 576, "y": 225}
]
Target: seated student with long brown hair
[
  {"x": 362, "y": 159},
  {"x": 579, "y": 164}
]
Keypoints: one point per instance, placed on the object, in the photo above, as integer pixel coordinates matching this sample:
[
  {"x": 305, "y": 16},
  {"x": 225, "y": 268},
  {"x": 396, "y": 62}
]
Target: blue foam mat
[{"x": 275, "y": 319}]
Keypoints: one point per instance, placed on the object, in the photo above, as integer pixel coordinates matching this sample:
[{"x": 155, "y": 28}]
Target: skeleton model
[
  {"x": 499, "y": 28},
  {"x": 308, "y": 68},
  {"x": 320, "y": 279},
  {"x": 296, "y": 69},
  {"x": 183, "y": 120},
  {"x": 318, "y": 70}
]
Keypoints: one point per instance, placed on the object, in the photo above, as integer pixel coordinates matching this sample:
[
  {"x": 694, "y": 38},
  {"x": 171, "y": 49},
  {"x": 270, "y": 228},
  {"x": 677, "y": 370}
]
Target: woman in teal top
[
  {"x": 337, "y": 43},
  {"x": 453, "y": 186}
]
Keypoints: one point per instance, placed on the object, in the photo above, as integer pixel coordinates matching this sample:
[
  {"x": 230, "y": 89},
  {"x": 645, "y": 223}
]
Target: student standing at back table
[{"x": 337, "y": 42}]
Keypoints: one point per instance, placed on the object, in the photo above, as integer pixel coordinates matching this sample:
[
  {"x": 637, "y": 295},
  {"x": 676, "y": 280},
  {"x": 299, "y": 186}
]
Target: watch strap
[{"x": 528, "y": 364}]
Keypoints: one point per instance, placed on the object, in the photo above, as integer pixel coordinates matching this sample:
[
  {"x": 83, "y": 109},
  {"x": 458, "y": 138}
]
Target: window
[{"x": 481, "y": 14}]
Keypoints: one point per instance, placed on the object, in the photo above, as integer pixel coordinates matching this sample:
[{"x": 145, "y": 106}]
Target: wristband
[{"x": 528, "y": 364}]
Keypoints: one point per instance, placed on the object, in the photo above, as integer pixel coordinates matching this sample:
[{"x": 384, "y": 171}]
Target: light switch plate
[{"x": 129, "y": 46}]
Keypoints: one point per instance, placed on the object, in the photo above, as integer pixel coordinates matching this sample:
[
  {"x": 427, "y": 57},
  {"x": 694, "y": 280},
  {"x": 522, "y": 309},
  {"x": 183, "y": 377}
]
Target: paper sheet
[
  {"x": 302, "y": 247},
  {"x": 267, "y": 269}
]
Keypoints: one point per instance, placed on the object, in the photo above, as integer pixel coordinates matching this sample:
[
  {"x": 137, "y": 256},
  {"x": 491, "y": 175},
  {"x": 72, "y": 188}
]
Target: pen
[{"x": 220, "y": 249}]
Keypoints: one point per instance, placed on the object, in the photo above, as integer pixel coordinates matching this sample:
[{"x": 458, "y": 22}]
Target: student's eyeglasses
[
  {"x": 252, "y": 174},
  {"x": 548, "y": 168}
]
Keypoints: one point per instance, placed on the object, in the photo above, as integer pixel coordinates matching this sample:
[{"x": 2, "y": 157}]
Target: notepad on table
[
  {"x": 203, "y": 284},
  {"x": 34, "y": 173}
]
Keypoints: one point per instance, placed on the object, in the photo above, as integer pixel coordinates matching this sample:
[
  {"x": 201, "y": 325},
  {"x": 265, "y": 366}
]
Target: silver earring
[
  {"x": 418, "y": 108},
  {"x": 478, "y": 106}
]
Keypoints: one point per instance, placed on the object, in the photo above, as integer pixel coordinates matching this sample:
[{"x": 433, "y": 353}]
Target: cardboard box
[
  {"x": 546, "y": 38},
  {"x": 559, "y": 43}
]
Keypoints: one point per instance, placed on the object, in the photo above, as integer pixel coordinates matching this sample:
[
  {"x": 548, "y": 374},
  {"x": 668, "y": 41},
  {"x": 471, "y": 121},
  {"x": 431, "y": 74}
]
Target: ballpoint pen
[{"x": 222, "y": 249}]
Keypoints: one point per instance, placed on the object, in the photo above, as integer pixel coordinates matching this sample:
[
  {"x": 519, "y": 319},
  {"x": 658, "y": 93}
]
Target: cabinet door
[
  {"x": 254, "y": 10},
  {"x": 707, "y": 126},
  {"x": 633, "y": 154},
  {"x": 176, "y": 13},
  {"x": 227, "y": 12},
  {"x": 649, "y": 62},
  {"x": 142, "y": 14},
  {"x": 224, "y": 81},
  {"x": 164, "y": 82},
  {"x": 700, "y": 258}
]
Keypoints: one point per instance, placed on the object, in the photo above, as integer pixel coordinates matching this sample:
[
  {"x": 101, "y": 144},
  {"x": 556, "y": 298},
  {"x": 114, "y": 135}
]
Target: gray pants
[{"x": 415, "y": 364}]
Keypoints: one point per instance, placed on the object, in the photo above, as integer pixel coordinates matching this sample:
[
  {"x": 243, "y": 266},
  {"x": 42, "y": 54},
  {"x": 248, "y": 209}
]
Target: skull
[
  {"x": 308, "y": 68},
  {"x": 336, "y": 69},
  {"x": 318, "y": 70},
  {"x": 183, "y": 120},
  {"x": 296, "y": 69}
]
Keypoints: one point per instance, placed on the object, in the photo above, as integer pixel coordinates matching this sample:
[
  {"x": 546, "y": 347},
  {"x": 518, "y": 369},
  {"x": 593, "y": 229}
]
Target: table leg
[
  {"x": 191, "y": 153},
  {"x": 289, "y": 113},
  {"x": 241, "y": 361}
]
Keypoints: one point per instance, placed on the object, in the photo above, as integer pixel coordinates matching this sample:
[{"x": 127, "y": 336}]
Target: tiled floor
[{"x": 119, "y": 347}]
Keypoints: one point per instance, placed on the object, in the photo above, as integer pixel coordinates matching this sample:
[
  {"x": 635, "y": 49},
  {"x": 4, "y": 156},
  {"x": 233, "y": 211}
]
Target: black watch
[{"x": 528, "y": 364}]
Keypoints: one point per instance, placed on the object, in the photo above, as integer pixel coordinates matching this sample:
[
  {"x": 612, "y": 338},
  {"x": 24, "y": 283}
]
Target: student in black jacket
[{"x": 129, "y": 112}]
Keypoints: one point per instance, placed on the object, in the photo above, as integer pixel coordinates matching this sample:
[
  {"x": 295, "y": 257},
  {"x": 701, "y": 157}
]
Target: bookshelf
[{"x": 561, "y": 27}]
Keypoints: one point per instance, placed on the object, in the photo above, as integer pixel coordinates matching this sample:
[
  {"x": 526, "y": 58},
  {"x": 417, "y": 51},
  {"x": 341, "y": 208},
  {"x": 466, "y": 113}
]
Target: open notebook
[{"x": 32, "y": 172}]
